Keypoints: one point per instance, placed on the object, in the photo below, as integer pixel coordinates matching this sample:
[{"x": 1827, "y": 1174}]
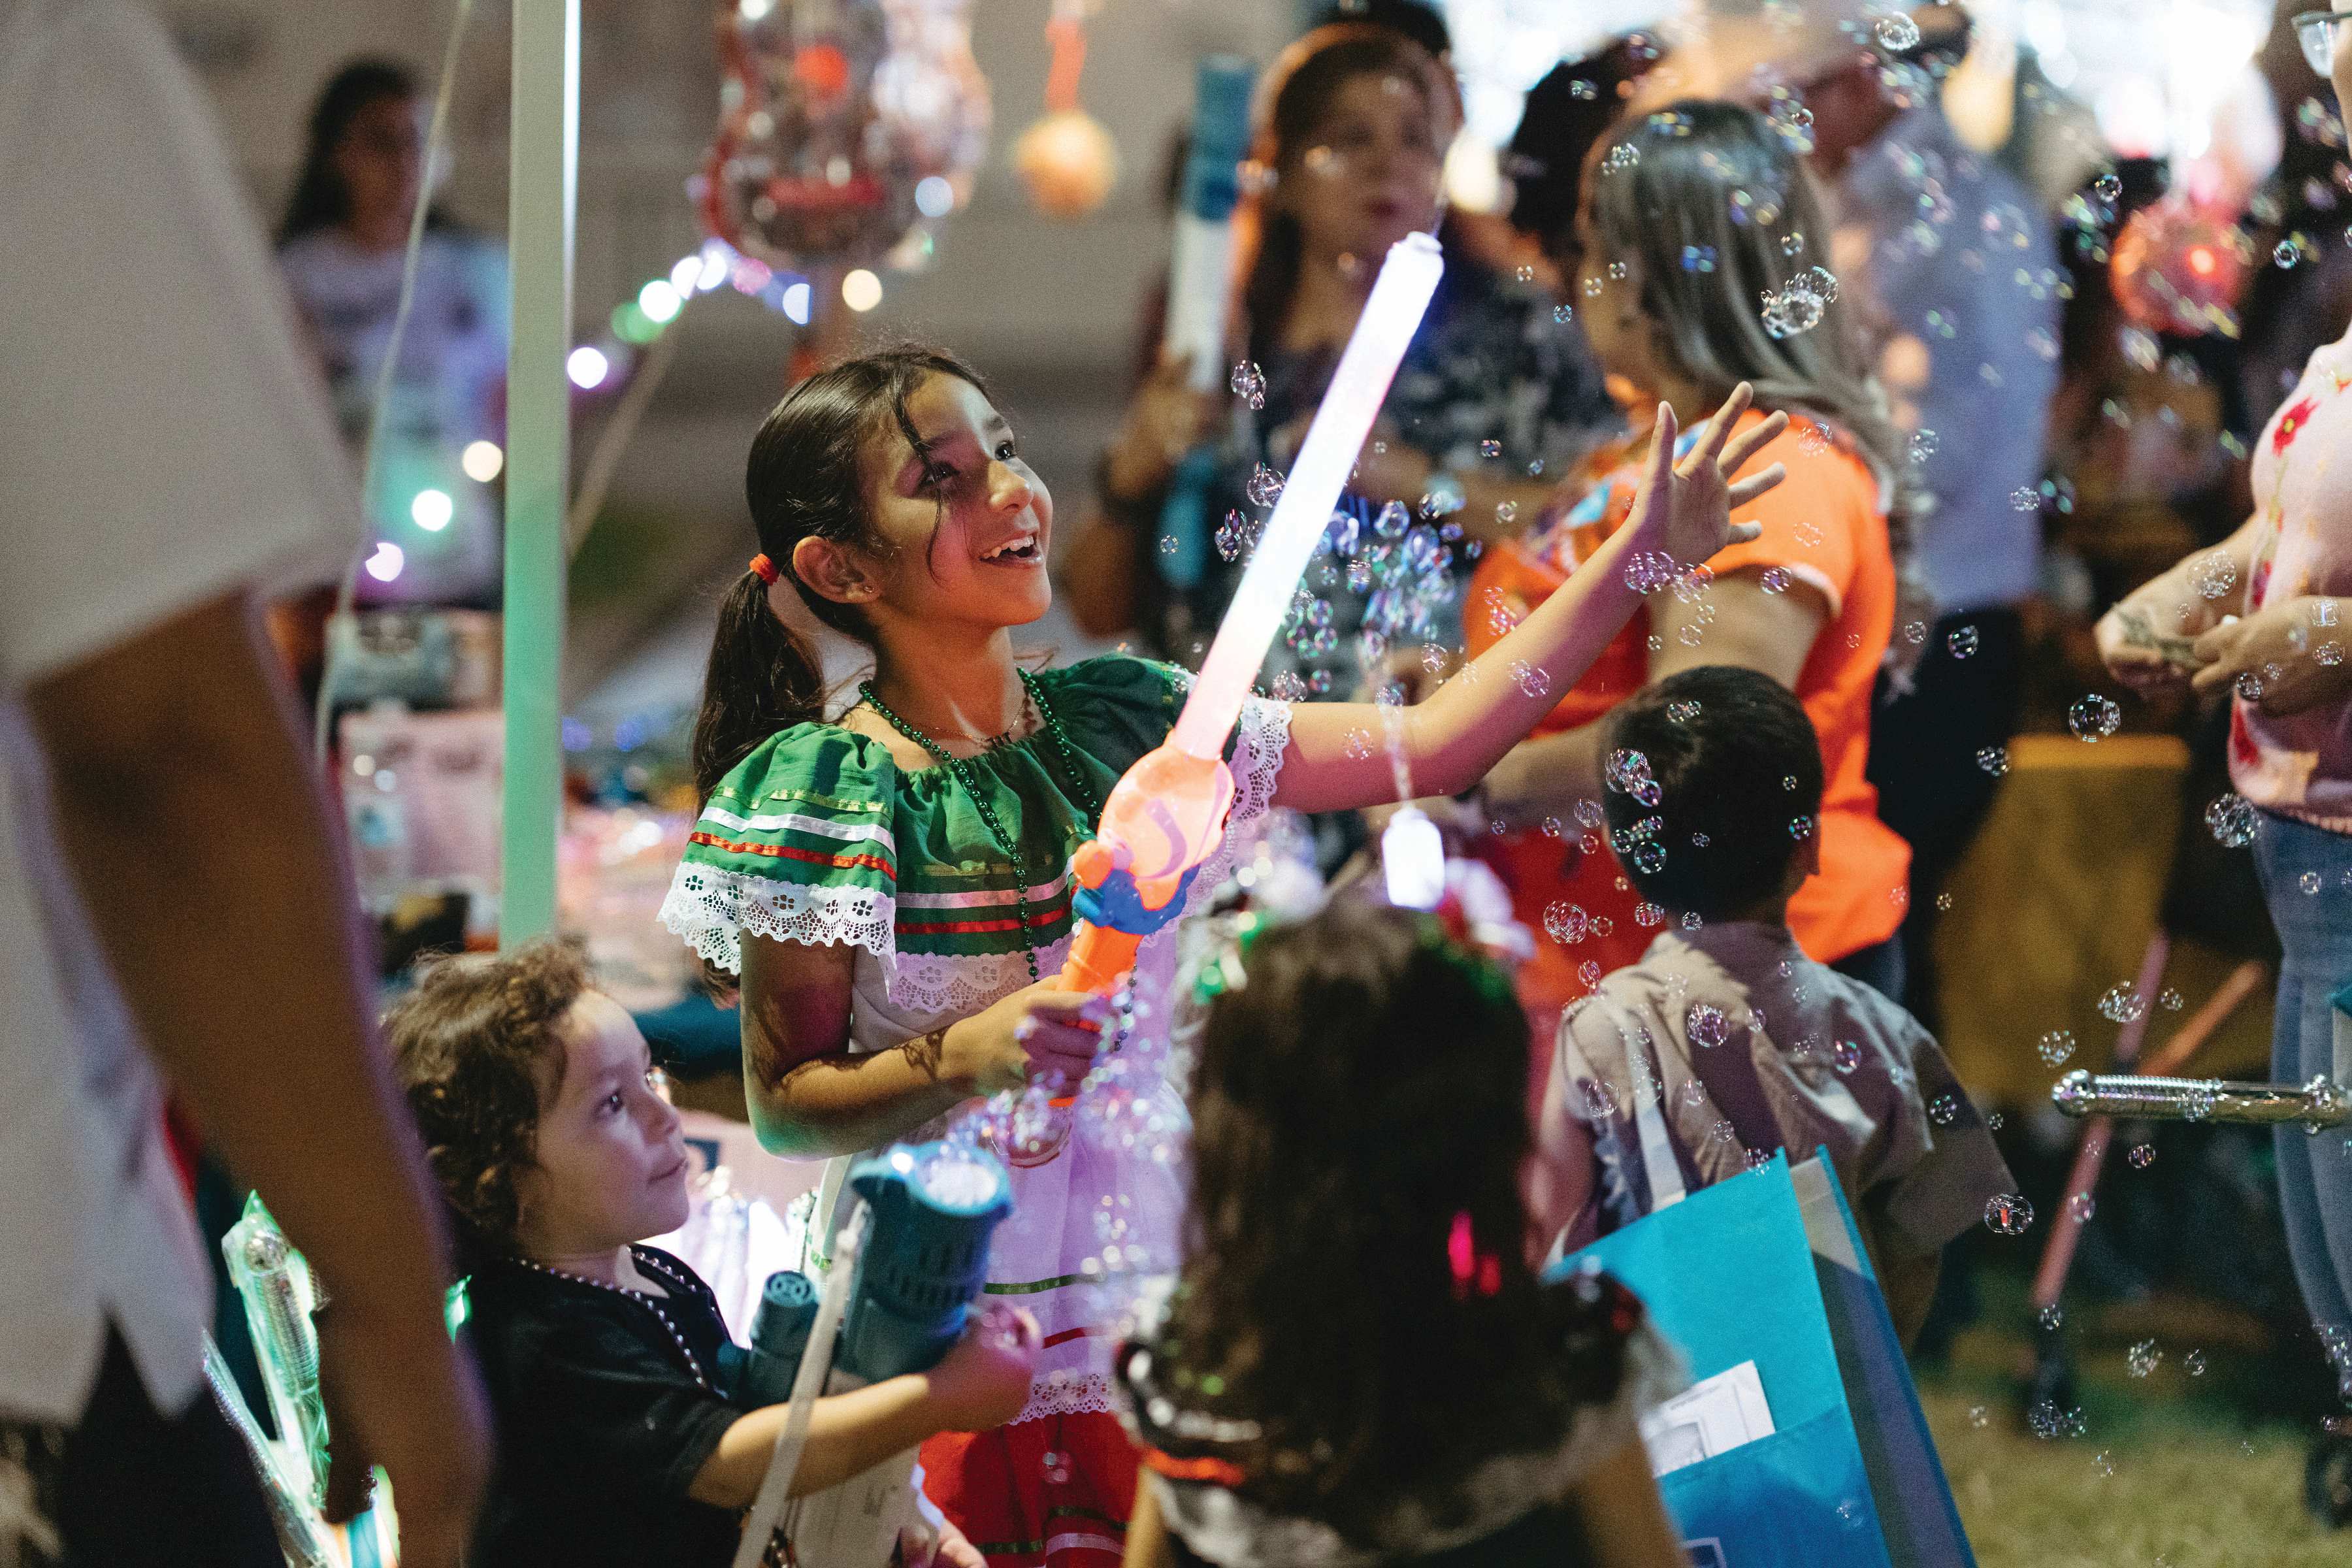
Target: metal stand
[{"x": 2054, "y": 1372}]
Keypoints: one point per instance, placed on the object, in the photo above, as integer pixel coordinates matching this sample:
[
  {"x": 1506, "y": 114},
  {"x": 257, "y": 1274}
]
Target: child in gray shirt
[{"x": 1726, "y": 1043}]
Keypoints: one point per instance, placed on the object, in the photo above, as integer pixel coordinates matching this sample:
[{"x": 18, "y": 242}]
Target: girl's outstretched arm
[{"x": 1448, "y": 743}]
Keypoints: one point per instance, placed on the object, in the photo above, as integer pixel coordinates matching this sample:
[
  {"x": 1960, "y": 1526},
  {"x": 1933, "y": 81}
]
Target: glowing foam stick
[{"x": 1166, "y": 816}]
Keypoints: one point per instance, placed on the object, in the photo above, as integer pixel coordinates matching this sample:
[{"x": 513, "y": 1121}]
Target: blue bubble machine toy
[{"x": 931, "y": 1209}]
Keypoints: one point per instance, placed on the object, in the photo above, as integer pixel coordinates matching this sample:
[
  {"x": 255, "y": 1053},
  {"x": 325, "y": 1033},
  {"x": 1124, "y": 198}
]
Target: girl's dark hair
[
  {"x": 1301, "y": 86},
  {"x": 807, "y": 478},
  {"x": 479, "y": 1049},
  {"x": 1704, "y": 203},
  {"x": 1364, "y": 1090},
  {"x": 318, "y": 199},
  {"x": 1575, "y": 105}
]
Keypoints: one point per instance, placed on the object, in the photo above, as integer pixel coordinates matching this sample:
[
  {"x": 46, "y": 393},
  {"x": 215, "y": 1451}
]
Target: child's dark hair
[
  {"x": 1738, "y": 770},
  {"x": 479, "y": 1050},
  {"x": 1360, "y": 1125},
  {"x": 807, "y": 478},
  {"x": 1708, "y": 199}
]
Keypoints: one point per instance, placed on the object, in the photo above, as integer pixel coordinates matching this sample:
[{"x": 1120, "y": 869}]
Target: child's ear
[{"x": 832, "y": 571}]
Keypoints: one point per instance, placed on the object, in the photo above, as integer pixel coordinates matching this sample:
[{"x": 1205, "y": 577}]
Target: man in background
[{"x": 174, "y": 909}]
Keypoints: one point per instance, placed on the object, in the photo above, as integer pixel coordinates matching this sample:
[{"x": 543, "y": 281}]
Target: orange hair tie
[{"x": 765, "y": 570}]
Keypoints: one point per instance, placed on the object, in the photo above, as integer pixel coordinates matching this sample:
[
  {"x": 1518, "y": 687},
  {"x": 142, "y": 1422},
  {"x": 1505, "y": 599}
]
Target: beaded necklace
[
  {"x": 654, "y": 1265},
  {"x": 960, "y": 770}
]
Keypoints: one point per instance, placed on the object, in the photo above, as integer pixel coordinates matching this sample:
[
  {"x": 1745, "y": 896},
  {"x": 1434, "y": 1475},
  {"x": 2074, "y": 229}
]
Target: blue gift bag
[{"x": 1767, "y": 1268}]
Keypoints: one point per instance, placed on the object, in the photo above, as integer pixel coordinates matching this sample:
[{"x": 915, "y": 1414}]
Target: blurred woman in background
[
  {"x": 1495, "y": 395},
  {"x": 341, "y": 246}
]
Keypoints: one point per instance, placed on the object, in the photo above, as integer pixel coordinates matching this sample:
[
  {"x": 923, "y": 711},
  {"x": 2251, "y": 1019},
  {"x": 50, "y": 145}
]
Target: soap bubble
[
  {"x": 2008, "y": 1214},
  {"x": 2121, "y": 1004},
  {"x": 2142, "y": 1156},
  {"x": 2025, "y": 498},
  {"x": 2309, "y": 882},
  {"x": 1993, "y": 760},
  {"x": 2194, "y": 1362},
  {"x": 1899, "y": 32},
  {"x": 1845, "y": 1056},
  {"x": 2095, "y": 717},
  {"x": 2286, "y": 252},
  {"x": 2142, "y": 1358},
  {"x": 1590, "y": 813},
  {"x": 1979, "y": 1417},
  {"x": 1924, "y": 445},
  {"x": 2212, "y": 575},
  {"x": 1944, "y": 1110},
  {"x": 2056, "y": 1046},
  {"x": 1264, "y": 486},
  {"x": 2110, "y": 186},
  {"x": 1391, "y": 521},
  {"x": 1963, "y": 641},
  {"x": 1626, "y": 771},
  {"x": 1565, "y": 924},
  {"x": 1529, "y": 679},
  {"x": 2232, "y": 820},
  {"x": 1707, "y": 1025},
  {"x": 2052, "y": 1317},
  {"x": 2081, "y": 1207},
  {"x": 1647, "y": 571},
  {"x": 1235, "y": 535},
  {"x": 1563, "y": 314},
  {"x": 2171, "y": 1000},
  {"x": 1248, "y": 383}
]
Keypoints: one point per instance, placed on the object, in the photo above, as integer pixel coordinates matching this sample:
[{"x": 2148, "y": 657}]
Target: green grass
[
  {"x": 2168, "y": 1471},
  {"x": 2173, "y": 1489}
]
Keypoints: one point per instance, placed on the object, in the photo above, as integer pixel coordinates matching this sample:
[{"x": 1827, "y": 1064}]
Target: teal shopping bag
[{"x": 1733, "y": 1273}]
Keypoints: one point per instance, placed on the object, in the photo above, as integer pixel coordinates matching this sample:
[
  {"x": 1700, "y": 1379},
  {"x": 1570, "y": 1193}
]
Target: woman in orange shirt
[{"x": 1686, "y": 219}]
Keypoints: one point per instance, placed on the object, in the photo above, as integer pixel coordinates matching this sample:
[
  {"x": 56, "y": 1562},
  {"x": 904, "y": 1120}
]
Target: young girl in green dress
[{"x": 892, "y": 882}]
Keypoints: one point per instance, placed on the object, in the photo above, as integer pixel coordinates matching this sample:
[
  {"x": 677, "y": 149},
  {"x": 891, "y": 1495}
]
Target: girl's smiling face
[{"x": 963, "y": 522}]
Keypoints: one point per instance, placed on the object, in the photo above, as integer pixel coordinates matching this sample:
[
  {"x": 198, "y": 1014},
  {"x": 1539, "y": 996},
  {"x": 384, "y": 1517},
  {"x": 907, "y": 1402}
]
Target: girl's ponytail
[{"x": 763, "y": 676}]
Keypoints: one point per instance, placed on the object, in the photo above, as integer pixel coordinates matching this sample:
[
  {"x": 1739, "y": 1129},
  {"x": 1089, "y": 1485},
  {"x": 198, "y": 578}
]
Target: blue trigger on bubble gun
[{"x": 1117, "y": 904}]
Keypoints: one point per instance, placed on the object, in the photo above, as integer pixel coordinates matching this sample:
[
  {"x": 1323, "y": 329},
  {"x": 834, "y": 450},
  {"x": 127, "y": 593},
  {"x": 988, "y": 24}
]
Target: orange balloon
[{"x": 821, "y": 68}]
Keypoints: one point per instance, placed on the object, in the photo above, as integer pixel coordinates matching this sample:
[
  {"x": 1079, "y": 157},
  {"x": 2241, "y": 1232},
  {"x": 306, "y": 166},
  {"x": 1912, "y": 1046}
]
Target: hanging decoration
[
  {"x": 845, "y": 128},
  {"x": 2181, "y": 266},
  {"x": 1067, "y": 159}
]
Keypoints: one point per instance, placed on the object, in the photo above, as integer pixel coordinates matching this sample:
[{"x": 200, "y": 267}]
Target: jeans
[{"x": 2315, "y": 931}]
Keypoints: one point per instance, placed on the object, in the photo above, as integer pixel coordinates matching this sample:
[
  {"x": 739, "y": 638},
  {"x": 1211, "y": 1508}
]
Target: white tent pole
[{"x": 544, "y": 159}]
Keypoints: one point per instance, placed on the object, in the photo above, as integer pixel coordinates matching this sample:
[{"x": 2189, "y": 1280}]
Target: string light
[
  {"x": 483, "y": 461},
  {"x": 587, "y": 367},
  {"x": 861, "y": 290},
  {"x": 432, "y": 509},
  {"x": 386, "y": 563},
  {"x": 660, "y": 301}
]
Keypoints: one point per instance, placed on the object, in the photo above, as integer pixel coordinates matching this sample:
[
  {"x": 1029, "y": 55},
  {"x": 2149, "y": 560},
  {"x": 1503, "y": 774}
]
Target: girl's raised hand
[{"x": 1685, "y": 509}]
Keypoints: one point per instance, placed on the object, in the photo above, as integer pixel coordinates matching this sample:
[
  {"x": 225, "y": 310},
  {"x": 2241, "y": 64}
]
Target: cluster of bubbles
[
  {"x": 2122, "y": 1004},
  {"x": 1248, "y": 383},
  {"x": 2095, "y": 717},
  {"x": 2007, "y": 1214},
  {"x": 2232, "y": 820},
  {"x": 1628, "y": 773},
  {"x": 1801, "y": 303},
  {"x": 1637, "y": 844}
]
